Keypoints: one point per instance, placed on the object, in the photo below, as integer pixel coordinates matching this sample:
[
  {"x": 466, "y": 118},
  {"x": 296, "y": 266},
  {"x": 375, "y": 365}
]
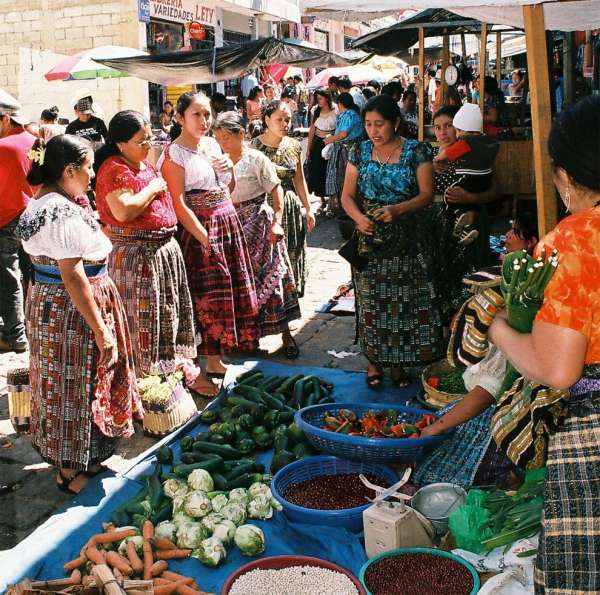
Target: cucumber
[
  {"x": 288, "y": 385},
  {"x": 164, "y": 455},
  {"x": 250, "y": 393},
  {"x": 298, "y": 393},
  {"x": 241, "y": 469},
  {"x": 219, "y": 481},
  {"x": 246, "y": 374},
  {"x": 251, "y": 380},
  {"x": 188, "y": 458},
  {"x": 246, "y": 480},
  {"x": 325, "y": 384},
  {"x": 210, "y": 465},
  {"x": 250, "y": 406},
  {"x": 229, "y": 465},
  {"x": 225, "y": 451},
  {"x": 218, "y": 439},
  {"x": 316, "y": 388},
  {"x": 269, "y": 383},
  {"x": 272, "y": 402}
]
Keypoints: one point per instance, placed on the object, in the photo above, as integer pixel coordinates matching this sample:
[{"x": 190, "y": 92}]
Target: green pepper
[
  {"x": 164, "y": 455},
  {"x": 186, "y": 443},
  {"x": 245, "y": 446},
  {"x": 263, "y": 440},
  {"x": 246, "y": 421},
  {"x": 271, "y": 419},
  {"x": 295, "y": 433},
  {"x": 208, "y": 416}
]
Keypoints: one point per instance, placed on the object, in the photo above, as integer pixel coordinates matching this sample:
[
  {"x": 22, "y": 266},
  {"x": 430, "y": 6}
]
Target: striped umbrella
[{"x": 81, "y": 66}]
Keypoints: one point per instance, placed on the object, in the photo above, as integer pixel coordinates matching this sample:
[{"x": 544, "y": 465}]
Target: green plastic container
[{"x": 420, "y": 550}]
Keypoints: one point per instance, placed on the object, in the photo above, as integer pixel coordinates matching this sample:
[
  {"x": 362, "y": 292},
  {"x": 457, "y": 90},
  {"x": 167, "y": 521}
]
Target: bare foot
[
  {"x": 400, "y": 377},
  {"x": 71, "y": 481},
  {"x": 374, "y": 376},
  {"x": 204, "y": 386}
]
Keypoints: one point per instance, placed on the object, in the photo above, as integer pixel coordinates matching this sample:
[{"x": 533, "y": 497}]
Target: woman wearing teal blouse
[
  {"x": 349, "y": 130},
  {"x": 388, "y": 184}
]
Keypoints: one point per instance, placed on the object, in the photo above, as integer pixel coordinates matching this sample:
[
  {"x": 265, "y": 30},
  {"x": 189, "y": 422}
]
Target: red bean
[
  {"x": 418, "y": 574},
  {"x": 332, "y": 492}
]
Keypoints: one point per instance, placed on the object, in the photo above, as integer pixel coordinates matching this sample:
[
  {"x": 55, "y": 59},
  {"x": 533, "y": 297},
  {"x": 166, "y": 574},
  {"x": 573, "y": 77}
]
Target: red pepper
[
  {"x": 429, "y": 419},
  {"x": 434, "y": 381}
]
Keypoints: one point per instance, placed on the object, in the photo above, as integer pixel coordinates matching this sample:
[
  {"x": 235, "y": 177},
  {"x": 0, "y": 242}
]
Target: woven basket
[
  {"x": 163, "y": 419},
  {"x": 19, "y": 398},
  {"x": 434, "y": 396}
]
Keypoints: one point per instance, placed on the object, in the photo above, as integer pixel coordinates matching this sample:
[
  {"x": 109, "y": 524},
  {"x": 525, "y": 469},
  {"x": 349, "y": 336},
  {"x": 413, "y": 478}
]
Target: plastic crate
[
  {"x": 357, "y": 448},
  {"x": 311, "y": 467}
]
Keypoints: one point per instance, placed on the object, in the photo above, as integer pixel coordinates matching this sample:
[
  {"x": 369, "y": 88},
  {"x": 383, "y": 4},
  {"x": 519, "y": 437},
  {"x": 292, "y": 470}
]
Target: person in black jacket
[{"x": 87, "y": 125}]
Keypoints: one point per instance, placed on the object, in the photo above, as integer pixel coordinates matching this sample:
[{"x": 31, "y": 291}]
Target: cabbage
[
  {"x": 210, "y": 552},
  {"x": 258, "y": 488},
  {"x": 235, "y": 512},
  {"x": 175, "y": 487},
  {"x": 250, "y": 539},
  {"x": 210, "y": 521},
  {"x": 166, "y": 529},
  {"x": 239, "y": 495},
  {"x": 190, "y": 535},
  {"x": 260, "y": 508},
  {"x": 218, "y": 502},
  {"x": 197, "y": 504},
  {"x": 181, "y": 518},
  {"x": 138, "y": 540},
  {"x": 224, "y": 531},
  {"x": 200, "y": 479}
]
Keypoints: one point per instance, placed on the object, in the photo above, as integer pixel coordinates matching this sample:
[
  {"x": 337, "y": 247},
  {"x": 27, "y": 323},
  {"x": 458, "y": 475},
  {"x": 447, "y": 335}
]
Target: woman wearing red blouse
[{"x": 146, "y": 263}]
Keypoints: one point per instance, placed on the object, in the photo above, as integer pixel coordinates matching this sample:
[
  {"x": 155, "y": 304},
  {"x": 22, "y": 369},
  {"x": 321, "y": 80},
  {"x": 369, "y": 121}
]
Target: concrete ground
[{"x": 28, "y": 495}]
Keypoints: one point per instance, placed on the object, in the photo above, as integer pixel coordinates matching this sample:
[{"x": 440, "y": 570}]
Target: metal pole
[{"x": 421, "y": 84}]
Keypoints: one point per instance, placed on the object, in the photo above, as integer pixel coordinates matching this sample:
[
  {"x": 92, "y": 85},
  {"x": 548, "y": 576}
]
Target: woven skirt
[
  {"x": 148, "y": 270},
  {"x": 398, "y": 314},
  {"x": 77, "y": 409},
  {"x": 220, "y": 278},
  {"x": 294, "y": 227},
  {"x": 568, "y": 559},
  {"x": 317, "y": 168},
  {"x": 273, "y": 277}
]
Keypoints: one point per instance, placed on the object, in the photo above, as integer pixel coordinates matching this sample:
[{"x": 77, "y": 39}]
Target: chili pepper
[
  {"x": 430, "y": 419},
  {"x": 334, "y": 422},
  {"x": 340, "y": 428},
  {"x": 433, "y": 381}
]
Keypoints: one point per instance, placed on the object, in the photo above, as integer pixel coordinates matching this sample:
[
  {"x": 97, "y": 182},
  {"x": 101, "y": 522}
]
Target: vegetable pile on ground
[
  {"x": 257, "y": 415},
  {"x": 333, "y": 492},
  {"x": 131, "y": 553},
  {"x": 494, "y": 519},
  {"x": 449, "y": 382},
  {"x": 375, "y": 424}
]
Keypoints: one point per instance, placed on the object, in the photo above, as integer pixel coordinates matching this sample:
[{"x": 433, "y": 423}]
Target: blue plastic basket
[
  {"x": 311, "y": 467},
  {"x": 357, "y": 448},
  {"x": 420, "y": 550}
]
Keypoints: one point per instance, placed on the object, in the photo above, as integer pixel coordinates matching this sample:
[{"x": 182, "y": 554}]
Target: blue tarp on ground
[{"x": 42, "y": 554}]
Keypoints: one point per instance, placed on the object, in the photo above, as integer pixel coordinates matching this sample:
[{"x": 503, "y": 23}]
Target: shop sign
[
  {"x": 183, "y": 11},
  {"x": 197, "y": 31},
  {"x": 144, "y": 11}
]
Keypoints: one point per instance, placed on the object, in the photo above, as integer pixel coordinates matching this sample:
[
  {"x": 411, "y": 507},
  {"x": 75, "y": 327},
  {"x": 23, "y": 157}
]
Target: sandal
[
  {"x": 402, "y": 379},
  {"x": 291, "y": 350},
  {"x": 375, "y": 381},
  {"x": 64, "y": 483}
]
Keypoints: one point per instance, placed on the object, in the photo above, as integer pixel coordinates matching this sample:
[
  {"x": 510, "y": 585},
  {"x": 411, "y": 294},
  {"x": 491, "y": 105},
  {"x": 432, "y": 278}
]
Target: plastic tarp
[
  {"x": 221, "y": 64},
  {"x": 42, "y": 555}
]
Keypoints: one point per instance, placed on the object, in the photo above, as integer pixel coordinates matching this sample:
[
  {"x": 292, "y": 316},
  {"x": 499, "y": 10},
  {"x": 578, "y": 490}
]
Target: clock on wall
[{"x": 451, "y": 75}]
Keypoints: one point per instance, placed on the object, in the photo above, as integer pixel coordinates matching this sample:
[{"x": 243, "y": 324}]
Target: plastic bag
[{"x": 465, "y": 522}]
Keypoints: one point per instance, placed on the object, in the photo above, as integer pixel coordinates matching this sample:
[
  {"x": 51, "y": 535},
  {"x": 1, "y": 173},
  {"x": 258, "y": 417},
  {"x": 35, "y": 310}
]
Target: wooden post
[
  {"x": 445, "y": 62},
  {"x": 422, "y": 94},
  {"x": 482, "y": 65},
  {"x": 499, "y": 59},
  {"x": 539, "y": 86},
  {"x": 463, "y": 47},
  {"x": 568, "y": 67}
]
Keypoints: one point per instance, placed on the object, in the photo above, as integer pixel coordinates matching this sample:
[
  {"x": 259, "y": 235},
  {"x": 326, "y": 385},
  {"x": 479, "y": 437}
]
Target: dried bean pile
[
  {"x": 332, "y": 492},
  {"x": 418, "y": 574},
  {"x": 295, "y": 580}
]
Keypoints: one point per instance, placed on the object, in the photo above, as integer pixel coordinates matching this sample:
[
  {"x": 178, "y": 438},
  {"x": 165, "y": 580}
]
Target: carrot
[
  {"x": 162, "y": 543},
  {"x": 76, "y": 563},
  {"x": 148, "y": 559},
  {"x": 148, "y": 530},
  {"x": 76, "y": 576},
  {"x": 174, "y": 576},
  {"x": 134, "y": 559},
  {"x": 159, "y": 582},
  {"x": 166, "y": 589},
  {"x": 103, "y": 538},
  {"x": 172, "y": 554},
  {"x": 117, "y": 561},
  {"x": 186, "y": 590},
  {"x": 158, "y": 568},
  {"x": 95, "y": 555}
]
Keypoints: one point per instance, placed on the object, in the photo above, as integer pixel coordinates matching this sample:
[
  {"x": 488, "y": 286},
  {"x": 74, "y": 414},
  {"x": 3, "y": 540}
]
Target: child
[{"x": 473, "y": 154}]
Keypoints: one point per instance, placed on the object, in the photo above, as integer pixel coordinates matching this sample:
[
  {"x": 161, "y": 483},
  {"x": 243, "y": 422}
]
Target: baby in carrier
[{"x": 473, "y": 156}]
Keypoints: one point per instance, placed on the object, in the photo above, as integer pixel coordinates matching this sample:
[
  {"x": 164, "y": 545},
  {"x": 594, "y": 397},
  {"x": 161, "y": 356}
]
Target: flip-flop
[
  {"x": 291, "y": 350},
  {"x": 375, "y": 381},
  {"x": 63, "y": 483}
]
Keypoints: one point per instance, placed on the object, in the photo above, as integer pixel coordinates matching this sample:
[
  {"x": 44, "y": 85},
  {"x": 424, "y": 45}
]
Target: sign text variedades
[{"x": 183, "y": 11}]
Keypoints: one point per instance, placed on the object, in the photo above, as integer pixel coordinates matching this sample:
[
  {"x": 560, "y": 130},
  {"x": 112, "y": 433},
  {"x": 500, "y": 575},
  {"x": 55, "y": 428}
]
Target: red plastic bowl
[{"x": 278, "y": 562}]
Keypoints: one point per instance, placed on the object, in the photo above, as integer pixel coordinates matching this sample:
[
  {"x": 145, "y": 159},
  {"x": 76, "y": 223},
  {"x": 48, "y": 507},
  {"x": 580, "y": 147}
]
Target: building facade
[{"x": 36, "y": 34}]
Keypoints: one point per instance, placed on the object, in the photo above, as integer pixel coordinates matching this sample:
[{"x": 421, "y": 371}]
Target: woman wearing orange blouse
[{"x": 563, "y": 351}]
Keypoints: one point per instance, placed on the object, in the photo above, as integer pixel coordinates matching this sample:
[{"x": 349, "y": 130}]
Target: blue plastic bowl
[
  {"x": 357, "y": 448},
  {"x": 311, "y": 467},
  {"x": 420, "y": 550}
]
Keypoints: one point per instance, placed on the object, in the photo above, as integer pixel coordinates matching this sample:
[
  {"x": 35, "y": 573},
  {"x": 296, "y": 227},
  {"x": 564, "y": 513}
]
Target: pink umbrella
[{"x": 359, "y": 75}]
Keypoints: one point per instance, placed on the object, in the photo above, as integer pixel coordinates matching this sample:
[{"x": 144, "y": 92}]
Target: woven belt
[{"x": 51, "y": 275}]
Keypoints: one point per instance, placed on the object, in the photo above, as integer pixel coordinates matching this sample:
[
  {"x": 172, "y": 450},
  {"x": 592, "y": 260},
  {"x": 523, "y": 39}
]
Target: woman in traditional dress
[
  {"x": 563, "y": 351},
  {"x": 218, "y": 266},
  {"x": 389, "y": 183},
  {"x": 255, "y": 181},
  {"x": 286, "y": 154},
  {"x": 83, "y": 387},
  {"x": 146, "y": 263}
]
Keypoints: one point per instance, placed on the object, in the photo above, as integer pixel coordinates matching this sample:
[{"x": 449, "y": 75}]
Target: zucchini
[
  {"x": 225, "y": 450},
  {"x": 219, "y": 481},
  {"x": 241, "y": 469},
  {"x": 246, "y": 374},
  {"x": 218, "y": 439},
  {"x": 246, "y": 480},
  {"x": 164, "y": 513},
  {"x": 229, "y": 465},
  {"x": 288, "y": 385},
  {"x": 272, "y": 402},
  {"x": 210, "y": 465},
  {"x": 195, "y": 457},
  {"x": 250, "y": 393}
]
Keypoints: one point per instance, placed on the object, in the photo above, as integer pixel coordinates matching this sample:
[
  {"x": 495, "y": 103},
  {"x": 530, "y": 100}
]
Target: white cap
[{"x": 468, "y": 118}]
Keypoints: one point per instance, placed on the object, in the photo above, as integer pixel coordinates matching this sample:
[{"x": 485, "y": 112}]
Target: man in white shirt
[
  {"x": 345, "y": 86},
  {"x": 431, "y": 90},
  {"x": 248, "y": 83}
]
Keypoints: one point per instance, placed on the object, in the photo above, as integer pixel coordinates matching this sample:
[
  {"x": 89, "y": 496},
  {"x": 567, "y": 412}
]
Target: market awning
[{"x": 221, "y": 64}]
